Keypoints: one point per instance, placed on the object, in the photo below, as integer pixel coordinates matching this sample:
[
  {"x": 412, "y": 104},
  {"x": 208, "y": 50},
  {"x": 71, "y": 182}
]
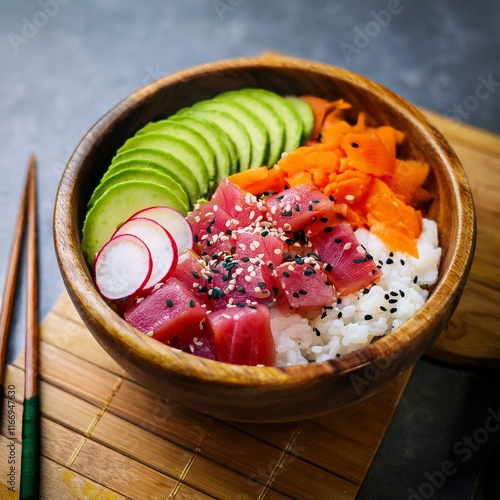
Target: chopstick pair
[{"x": 30, "y": 456}]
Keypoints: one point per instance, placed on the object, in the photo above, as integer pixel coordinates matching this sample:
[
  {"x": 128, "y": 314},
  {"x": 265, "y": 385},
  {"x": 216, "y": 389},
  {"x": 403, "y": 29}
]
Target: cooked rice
[{"x": 359, "y": 317}]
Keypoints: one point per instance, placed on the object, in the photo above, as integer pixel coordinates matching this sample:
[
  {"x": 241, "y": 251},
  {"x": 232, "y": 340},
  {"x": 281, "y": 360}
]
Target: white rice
[{"x": 359, "y": 317}]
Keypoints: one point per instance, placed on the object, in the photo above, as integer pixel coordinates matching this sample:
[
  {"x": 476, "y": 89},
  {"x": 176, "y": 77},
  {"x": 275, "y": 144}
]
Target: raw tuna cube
[
  {"x": 237, "y": 203},
  {"x": 202, "y": 346},
  {"x": 260, "y": 244},
  {"x": 169, "y": 311},
  {"x": 295, "y": 208},
  {"x": 242, "y": 335},
  {"x": 348, "y": 265},
  {"x": 305, "y": 283}
]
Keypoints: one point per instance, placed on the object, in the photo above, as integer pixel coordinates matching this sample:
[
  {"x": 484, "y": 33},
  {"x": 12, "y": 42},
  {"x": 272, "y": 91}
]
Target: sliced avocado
[
  {"x": 116, "y": 205},
  {"x": 231, "y": 126},
  {"x": 255, "y": 128},
  {"x": 136, "y": 171},
  {"x": 224, "y": 156},
  {"x": 273, "y": 123},
  {"x": 171, "y": 166},
  {"x": 189, "y": 135},
  {"x": 283, "y": 109},
  {"x": 305, "y": 112},
  {"x": 179, "y": 148}
]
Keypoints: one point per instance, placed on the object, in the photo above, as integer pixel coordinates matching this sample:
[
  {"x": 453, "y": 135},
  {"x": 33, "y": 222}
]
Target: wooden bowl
[{"x": 253, "y": 393}]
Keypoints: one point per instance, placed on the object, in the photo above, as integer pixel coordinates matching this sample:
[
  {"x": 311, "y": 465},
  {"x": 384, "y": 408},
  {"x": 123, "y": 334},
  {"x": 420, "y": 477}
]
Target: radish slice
[
  {"x": 122, "y": 267},
  {"x": 173, "y": 221},
  {"x": 159, "y": 242}
]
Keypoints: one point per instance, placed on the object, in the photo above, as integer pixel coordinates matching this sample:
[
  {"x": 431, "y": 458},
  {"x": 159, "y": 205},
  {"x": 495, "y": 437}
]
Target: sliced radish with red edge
[
  {"x": 159, "y": 242},
  {"x": 122, "y": 267},
  {"x": 173, "y": 221}
]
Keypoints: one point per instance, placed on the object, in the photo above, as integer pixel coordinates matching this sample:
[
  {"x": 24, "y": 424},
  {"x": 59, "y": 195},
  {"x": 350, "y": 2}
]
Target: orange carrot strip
[
  {"x": 259, "y": 180},
  {"x": 368, "y": 155},
  {"x": 398, "y": 225}
]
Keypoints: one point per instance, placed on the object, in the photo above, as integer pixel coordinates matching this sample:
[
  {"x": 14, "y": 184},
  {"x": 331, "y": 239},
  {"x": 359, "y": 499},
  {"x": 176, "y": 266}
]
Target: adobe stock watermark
[
  {"x": 223, "y": 7},
  {"x": 32, "y": 25},
  {"x": 460, "y": 111},
  {"x": 462, "y": 450},
  {"x": 371, "y": 372},
  {"x": 363, "y": 35}
]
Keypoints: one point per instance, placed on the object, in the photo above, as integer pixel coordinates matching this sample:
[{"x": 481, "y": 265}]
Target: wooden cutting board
[{"x": 104, "y": 436}]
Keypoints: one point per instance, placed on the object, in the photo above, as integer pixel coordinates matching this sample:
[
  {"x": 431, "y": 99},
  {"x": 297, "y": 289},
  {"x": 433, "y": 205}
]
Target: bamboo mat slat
[{"x": 105, "y": 436}]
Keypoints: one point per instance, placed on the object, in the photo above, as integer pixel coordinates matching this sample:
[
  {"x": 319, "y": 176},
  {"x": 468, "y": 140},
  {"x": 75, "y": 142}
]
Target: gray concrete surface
[{"x": 64, "y": 63}]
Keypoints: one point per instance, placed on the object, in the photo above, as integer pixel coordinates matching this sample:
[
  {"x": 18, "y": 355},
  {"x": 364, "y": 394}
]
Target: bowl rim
[{"x": 186, "y": 366}]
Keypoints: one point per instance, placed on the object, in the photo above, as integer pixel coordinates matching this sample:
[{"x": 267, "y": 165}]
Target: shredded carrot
[
  {"x": 356, "y": 165},
  {"x": 259, "y": 180}
]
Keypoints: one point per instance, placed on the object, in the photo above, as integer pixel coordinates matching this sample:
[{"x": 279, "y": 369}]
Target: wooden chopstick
[
  {"x": 30, "y": 456},
  {"x": 10, "y": 284}
]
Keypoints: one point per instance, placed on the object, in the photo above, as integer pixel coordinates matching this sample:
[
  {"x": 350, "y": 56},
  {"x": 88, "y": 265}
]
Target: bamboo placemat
[{"x": 104, "y": 436}]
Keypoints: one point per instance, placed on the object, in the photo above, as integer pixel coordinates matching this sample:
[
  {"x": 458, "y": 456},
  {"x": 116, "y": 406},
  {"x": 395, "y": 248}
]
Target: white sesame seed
[
  {"x": 248, "y": 279},
  {"x": 238, "y": 208},
  {"x": 277, "y": 251},
  {"x": 347, "y": 245},
  {"x": 150, "y": 334}
]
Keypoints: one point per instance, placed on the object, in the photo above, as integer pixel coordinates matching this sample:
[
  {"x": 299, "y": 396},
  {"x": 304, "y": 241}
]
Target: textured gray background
[{"x": 65, "y": 63}]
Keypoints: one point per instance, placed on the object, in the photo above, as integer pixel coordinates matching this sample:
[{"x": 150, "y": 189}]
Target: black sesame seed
[
  {"x": 264, "y": 233},
  {"x": 229, "y": 232},
  {"x": 401, "y": 293},
  {"x": 245, "y": 259},
  {"x": 302, "y": 292},
  {"x": 309, "y": 272},
  {"x": 195, "y": 238},
  {"x": 393, "y": 301},
  {"x": 241, "y": 289},
  {"x": 261, "y": 285},
  {"x": 195, "y": 274},
  {"x": 297, "y": 207},
  {"x": 382, "y": 308},
  {"x": 339, "y": 315},
  {"x": 323, "y": 316},
  {"x": 323, "y": 219},
  {"x": 415, "y": 279},
  {"x": 331, "y": 198},
  {"x": 368, "y": 317},
  {"x": 393, "y": 293},
  {"x": 191, "y": 303},
  {"x": 338, "y": 241},
  {"x": 296, "y": 295},
  {"x": 402, "y": 262},
  {"x": 275, "y": 290},
  {"x": 280, "y": 197},
  {"x": 354, "y": 145},
  {"x": 389, "y": 261},
  {"x": 286, "y": 274},
  {"x": 241, "y": 304},
  {"x": 360, "y": 260},
  {"x": 169, "y": 303},
  {"x": 328, "y": 267},
  {"x": 310, "y": 208},
  {"x": 315, "y": 202},
  {"x": 286, "y": 213},
  {"x": 328, "y": 229},
  {"x": 316, "y": 331},
  {"x": 393, "y": 310}
]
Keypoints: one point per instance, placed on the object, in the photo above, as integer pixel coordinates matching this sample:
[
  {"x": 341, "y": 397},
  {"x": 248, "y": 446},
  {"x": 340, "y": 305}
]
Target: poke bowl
[{"x": 304, "y": 375}]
